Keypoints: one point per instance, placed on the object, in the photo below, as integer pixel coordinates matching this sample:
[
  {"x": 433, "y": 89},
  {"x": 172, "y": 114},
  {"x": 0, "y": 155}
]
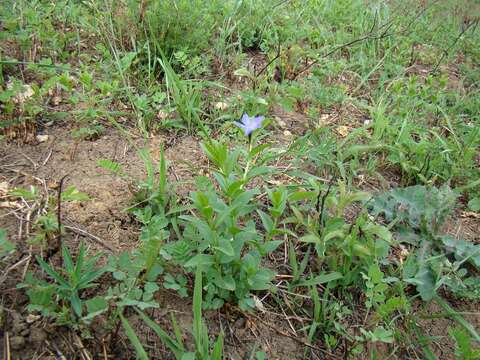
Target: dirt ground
[{"x": 104, "y": 225}]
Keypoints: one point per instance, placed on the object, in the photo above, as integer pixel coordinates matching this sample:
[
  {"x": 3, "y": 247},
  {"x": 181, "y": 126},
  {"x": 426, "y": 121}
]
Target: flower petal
[
  {"x": 245, "y": 118},
  {"x": 258, "y": 121},
  {"x": 241, "y": 126}
]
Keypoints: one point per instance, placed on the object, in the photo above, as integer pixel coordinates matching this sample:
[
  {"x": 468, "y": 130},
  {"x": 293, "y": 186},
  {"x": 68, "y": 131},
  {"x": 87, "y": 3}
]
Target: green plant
[
  {"x": 342, "y": 247},
  {"x": 327, "y": 317},
  {"x": 62, "y": 298},
  {"x": 204, "y": 350},
  {"x": 185, "y": 94},
  {"x": 136, "y": 277},
  {"x": 222, "y": 237},
  {"x": 464, "y": 348},
  {"x": 152, "y": 196},
  {"x": 45, "y": 224},
  {"x": 6, "y": 247},
  {"x": 376, "y": 287},
  {"x": 418, "y": 214}
]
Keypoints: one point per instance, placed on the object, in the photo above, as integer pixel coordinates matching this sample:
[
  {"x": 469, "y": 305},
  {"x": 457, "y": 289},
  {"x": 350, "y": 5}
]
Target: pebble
[
  {"x": 31, "y": 318},
  {"x": 221, "y": 105},
  {"x": 42, "y": 138},
  {"x": 280, "y": 122}
]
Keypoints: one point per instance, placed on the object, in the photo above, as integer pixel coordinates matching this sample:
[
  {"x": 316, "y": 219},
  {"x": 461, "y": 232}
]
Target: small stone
[
  {"x": 280, "y": 122},
  {"x": 42, "y": 138},
  {"x": 4, "y": 187},
  {"x": 31, "y": 318},
  {"x": 17, "y": 342},
  {"x": 287, "y": 133},
  {"x": 342, "y": 130},
  {"x": 221, "y": 105},
  {"x": 162, "y": 115},
  {"x": 56, "y": 100},
  {"x": 259, "y": 304}
]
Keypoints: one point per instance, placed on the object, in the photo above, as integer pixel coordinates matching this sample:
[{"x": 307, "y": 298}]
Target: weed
[
  {"x": 203, "y": 349},
  {"x": 61, "y": 299},
  {"x": 341, "y": 232}
]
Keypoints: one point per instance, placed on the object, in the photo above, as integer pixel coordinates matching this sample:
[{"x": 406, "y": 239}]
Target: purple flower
[{"x": 249, "y": 124}]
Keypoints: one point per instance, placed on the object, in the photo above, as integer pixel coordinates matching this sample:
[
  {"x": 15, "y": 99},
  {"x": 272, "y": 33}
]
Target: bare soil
[{"x": 104, "y": 225}]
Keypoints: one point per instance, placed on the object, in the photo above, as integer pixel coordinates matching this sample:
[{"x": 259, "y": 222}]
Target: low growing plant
[
  {"x": 61, "y": 298},
  {"x": 204, "y": 350}
]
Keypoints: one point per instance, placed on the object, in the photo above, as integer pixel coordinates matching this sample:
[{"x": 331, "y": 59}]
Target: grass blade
[
  {"x": 169, "y": 342},
  {"x": 141, "y": 353}
]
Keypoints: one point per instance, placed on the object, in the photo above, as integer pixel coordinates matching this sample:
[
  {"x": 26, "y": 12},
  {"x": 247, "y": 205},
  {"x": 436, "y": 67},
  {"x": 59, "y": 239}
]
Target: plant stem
[{"x": 247, "y": 166}]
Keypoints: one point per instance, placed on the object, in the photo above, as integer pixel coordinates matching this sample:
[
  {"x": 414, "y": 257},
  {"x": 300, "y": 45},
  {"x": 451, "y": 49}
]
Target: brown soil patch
[{"x": 104, "y": 217}]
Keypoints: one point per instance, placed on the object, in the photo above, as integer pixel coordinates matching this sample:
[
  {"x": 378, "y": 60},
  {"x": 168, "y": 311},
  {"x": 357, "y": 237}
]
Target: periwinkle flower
[{"x": 249, "y": 124}]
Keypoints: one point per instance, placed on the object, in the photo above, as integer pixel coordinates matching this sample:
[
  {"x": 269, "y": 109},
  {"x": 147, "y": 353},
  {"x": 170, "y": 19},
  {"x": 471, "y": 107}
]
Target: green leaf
[
  {"x": 26, "y": 194},
  {"x": 167, "y": 340},
  {"x": 416, "y": 205},
  {"x": 119, "y": 275},
  {"x": 262, "y": 279},
  {"x": 271, "y": 246},
  {"x": 463, "y": 250},
  {"x": 217, "y": 352},
  {"x": 361, "y": 149},
  {"x": 359, "y": 196},
  {"x": 114, "y": 167},
  {"x": 333, "y": 234},
  {"x": 76, "y": 304},
  {"x": 382, "y": 334},
  {"x": 197, "y": 309},
  {"x": 53, "y": 274},
  {"x": 321, "y": 279},
  {"x": 142, "y": 305},
  {"x": 80, "y": 259},
  {"x": 67, "y": 260},
  {"x": 6, "y": 247},
  {"x": 425, "y": 283},
  {"x": 474, "y": 204},
  {"x": 200, "y": 260},
  {"x": 141, "y": 353},
  {"x": 267, "y": 221},
  {"x": 95, "y": 307},
  {"x": 310, "y": 238},
  {"x": 259, "y": 171},
  {"x": 90, "y": 277},
  {"x": 226, "y": 282},
  {"x": 302, "y": 195},
  {"x": 72, "y": 194},
  {"x": 458, "y": 318},
  {"x": 258, "y": 149},
  {"x": 188, "y": 356},
  {"x": 375, "y": 274},
  {"x": 225, "y": 246}
]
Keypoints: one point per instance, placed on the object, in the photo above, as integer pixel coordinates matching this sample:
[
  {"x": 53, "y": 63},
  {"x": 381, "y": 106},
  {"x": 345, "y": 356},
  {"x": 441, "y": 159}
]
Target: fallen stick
[{"x": 96, "y": 239}]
